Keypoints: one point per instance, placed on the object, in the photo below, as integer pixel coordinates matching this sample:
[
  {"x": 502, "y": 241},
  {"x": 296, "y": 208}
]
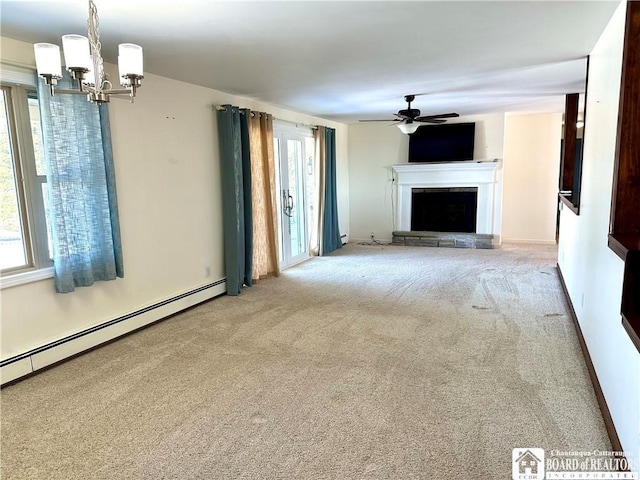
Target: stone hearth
[{"x": 443, "y": 239}]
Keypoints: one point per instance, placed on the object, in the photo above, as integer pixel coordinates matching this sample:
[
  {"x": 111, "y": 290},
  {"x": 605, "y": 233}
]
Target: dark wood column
[{"x": 624, "y": 232}]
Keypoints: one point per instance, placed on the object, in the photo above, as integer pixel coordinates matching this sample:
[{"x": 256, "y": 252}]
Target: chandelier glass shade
[{"x": 83, "y": 58}]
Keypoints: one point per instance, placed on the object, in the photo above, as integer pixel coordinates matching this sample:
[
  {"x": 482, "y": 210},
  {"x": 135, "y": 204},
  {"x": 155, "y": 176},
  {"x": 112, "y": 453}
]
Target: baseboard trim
[
  {"x": 18, "y": 366},
  {"x": 528, "y": 241},
  {"x": 602, "y": 403}
]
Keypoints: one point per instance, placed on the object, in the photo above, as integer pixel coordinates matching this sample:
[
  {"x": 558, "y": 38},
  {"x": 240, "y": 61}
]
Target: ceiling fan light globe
[{"x": 408, "y": 128}]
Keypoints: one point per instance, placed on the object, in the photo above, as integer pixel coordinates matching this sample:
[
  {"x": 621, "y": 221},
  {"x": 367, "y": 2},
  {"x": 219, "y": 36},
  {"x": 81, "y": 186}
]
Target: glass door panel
[
  {"x": 295, "y": 193},
  {"x": 291, "y": 152}
]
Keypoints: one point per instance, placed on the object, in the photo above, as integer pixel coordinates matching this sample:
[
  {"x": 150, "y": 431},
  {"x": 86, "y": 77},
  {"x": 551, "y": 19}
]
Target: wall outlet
[
  {"x": 373, "y": 237},
  {"x": 207, "y": 271}
]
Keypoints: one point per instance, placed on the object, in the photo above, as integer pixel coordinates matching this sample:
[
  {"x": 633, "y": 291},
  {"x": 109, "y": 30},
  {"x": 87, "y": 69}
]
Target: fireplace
[
  {"x": 479, "y": 179},
  {"x": 444, "y": 209}
]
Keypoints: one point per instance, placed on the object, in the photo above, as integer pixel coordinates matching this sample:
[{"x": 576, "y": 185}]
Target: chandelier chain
[{"x": 93, "y": 27}]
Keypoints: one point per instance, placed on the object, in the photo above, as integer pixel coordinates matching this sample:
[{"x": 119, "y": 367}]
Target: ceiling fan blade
[
  {"x": 442, "y": 115},
  {"x": 381, "y": 120},
  {"x": 431, "y": 120}
]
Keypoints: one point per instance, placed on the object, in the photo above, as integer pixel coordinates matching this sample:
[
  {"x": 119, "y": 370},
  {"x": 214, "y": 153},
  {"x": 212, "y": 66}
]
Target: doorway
[{"x": 294, "y": 149}]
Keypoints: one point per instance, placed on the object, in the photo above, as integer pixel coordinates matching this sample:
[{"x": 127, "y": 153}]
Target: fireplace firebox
[{"x": 444, "y": 209}]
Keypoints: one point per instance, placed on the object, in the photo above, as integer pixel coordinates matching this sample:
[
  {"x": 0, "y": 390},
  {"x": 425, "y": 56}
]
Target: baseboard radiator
[{"x": 18, "y": 366}]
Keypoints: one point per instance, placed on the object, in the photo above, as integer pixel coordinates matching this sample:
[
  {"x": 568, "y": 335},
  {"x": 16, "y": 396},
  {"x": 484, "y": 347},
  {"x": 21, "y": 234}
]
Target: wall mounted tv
[{"x": 442, "y": 143}]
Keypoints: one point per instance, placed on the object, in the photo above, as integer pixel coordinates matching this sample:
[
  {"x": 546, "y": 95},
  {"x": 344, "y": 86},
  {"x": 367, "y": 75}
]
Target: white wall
[
  {"x": 531, "y": 169},
  {"x": 593, "y": 273},
  {"x": 374, "y": 147},
  {"x": 167, "y": 172}
]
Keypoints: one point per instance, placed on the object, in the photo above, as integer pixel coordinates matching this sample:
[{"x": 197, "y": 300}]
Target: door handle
[{"x": 287, "y": 203}]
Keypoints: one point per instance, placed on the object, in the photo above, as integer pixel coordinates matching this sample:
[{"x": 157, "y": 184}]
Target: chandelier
[{"x": 83, "y": 58}]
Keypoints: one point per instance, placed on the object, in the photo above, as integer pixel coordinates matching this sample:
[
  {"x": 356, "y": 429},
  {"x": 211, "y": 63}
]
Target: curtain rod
[
  {"x": 297, "y": 124},
  {"x": 241, "y": 111},
  {"x": 222, "y": 108}
]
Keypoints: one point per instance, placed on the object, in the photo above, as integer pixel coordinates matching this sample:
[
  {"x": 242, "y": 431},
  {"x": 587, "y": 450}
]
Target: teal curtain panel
[
  {"x": 331, "y": 232},
  {"x": 82, "y": 189},
  {"x": 235, "y": 169}
]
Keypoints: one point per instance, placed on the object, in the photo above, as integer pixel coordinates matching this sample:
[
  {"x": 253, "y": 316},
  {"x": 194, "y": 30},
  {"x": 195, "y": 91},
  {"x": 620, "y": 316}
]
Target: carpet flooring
[{"x": 376, "y": 362}]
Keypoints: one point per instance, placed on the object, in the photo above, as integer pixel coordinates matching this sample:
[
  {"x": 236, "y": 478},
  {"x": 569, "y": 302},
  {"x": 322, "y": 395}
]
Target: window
[
  {"x": 572, "y": 147},
  {"x": 25, "y": 241}
]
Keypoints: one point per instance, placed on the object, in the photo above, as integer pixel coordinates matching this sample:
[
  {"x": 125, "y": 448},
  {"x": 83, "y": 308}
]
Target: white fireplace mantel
[{"x": 481, "y": 174}]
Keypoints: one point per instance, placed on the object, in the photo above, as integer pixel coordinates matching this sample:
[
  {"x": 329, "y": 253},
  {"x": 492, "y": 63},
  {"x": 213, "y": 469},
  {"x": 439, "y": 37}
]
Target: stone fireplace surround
[{"x": 485, "y": 175}]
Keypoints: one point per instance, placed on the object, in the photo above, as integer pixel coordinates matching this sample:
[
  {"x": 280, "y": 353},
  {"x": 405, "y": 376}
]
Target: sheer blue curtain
[
  {"x": 82, "y": 190},
  {"x": 237, "y": 218},
  {"x": 330, "y": 233}
]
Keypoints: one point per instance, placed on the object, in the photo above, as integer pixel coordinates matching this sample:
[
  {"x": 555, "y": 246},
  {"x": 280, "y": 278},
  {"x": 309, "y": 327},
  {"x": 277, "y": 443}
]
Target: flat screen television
[{"x": 448, "y": 142}]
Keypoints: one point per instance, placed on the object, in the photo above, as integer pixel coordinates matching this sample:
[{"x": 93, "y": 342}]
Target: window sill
[
  {"x": 567, "y": 199},
  {"x": 26, "y": 277},
  {"x": 623, "y": 244}
]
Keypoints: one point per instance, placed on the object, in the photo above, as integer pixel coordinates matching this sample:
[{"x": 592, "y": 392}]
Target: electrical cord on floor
[{"x": 374, "y": 242}]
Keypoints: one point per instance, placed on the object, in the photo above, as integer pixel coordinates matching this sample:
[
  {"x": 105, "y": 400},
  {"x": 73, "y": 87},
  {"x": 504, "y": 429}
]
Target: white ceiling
[{"x": 347, "y": 60}]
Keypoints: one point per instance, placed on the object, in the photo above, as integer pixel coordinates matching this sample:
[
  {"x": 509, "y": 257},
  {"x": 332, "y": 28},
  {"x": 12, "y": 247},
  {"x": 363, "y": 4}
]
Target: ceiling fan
[{"x": 410, "y": 119}]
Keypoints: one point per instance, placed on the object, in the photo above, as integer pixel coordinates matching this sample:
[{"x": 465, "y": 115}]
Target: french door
[{"x": 294, "y": 157}]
